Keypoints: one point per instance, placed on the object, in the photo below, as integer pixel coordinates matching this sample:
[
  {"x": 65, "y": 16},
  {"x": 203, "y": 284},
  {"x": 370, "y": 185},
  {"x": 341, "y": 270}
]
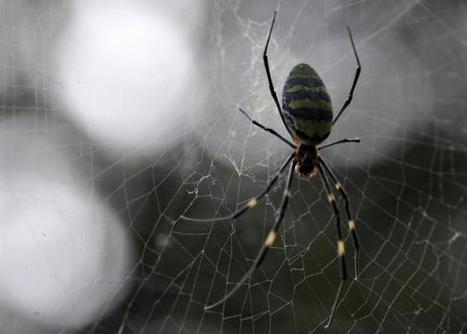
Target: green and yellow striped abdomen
[{"x": 306, "y": 105}]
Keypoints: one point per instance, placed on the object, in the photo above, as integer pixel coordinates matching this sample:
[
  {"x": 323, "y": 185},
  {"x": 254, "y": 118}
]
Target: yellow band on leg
[
  {"x": 340, "y": 248},
  {"x": 270, "y": 239}
]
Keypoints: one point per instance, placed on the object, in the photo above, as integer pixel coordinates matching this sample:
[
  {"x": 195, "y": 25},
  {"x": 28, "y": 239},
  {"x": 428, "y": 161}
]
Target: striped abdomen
[{"x": 306, "y": 105}]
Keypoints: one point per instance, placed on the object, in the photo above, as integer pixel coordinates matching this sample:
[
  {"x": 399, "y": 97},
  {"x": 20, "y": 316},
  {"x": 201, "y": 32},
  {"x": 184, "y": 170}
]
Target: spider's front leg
[
  {"x": 268, "y": 242},
  {"x": 351, "y": 222},
  {"x": 250, "y": 204},
  {"x": 340, "y": 240}
]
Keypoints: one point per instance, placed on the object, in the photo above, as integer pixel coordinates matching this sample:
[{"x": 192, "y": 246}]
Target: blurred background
[{"x": 119, "y": 116}]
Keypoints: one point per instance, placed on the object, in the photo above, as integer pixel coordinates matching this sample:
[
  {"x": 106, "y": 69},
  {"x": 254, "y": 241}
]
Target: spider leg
[
  {"x": 340, "y": 240},
  {"x": 272, "y": 131},
  {"x": 342, "y": 141},
  {"x": 351, "y": 221},
  {"x": 250, "y": 204},
  {"x": 268, "y": 242},
  {"x": 355, "y": 79},
  {"x": 268, "y": 73}
]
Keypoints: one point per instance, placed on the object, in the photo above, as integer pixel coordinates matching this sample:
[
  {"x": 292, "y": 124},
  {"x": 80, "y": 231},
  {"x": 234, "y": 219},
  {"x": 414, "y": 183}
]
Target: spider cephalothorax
[{"x": 307, "y": 160}]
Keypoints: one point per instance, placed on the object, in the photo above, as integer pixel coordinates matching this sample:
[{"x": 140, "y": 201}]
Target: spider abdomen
[{"x": 306, "y": 105}]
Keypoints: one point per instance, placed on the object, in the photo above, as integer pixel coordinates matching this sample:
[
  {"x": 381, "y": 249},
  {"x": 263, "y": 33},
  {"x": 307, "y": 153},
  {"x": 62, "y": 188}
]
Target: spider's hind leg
[
  {"x": 271, "y": 131},
  {"x": 354, "y": 82},
  {"x": 272, "y": 90}
]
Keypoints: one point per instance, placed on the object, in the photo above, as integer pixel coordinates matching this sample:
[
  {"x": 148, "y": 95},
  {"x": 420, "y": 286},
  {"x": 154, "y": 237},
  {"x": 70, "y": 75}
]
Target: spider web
[{"x": 406, "y": 180}]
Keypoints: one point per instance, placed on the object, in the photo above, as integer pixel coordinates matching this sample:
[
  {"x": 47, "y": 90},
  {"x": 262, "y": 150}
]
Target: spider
[{"x": 307, "y": 115}]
